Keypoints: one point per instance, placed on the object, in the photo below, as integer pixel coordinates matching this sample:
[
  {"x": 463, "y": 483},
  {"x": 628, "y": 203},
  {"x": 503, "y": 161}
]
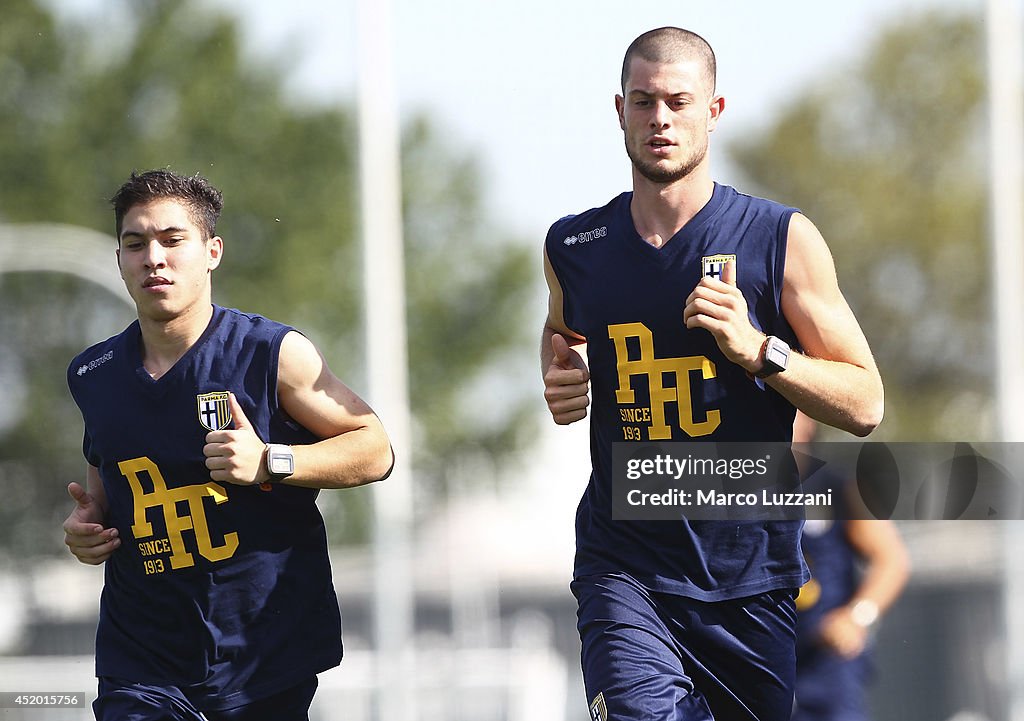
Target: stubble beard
[{"x": 666, "y": 175}]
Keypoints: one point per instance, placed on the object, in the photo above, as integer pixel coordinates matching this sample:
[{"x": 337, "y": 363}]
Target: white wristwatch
[
  {"x": 864, "y": 613},
  {"x": 280, "y": 461},
  {"x": 774, "y": 357}
]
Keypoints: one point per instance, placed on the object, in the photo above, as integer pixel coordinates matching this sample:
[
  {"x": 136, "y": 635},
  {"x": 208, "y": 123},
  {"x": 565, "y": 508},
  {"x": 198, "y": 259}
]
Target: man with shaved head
[{"x": 708, "y": 315}]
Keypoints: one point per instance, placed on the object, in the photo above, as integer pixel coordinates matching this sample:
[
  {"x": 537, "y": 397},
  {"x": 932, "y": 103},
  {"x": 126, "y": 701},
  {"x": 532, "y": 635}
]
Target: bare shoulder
[
  {"x": 809, "y": 262},
  {"x": 812, "y": 302},
  {"x": 299, "y": 360},
  {"x": 310, "y": 392},
  {"x": 556, "y": 302}
]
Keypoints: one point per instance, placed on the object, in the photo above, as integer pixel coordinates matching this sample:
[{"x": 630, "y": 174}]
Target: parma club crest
[
  {"x": 214, "y": 410},
  {"x": 713, "y": 265},
  {"x": 598, "y": 709}
]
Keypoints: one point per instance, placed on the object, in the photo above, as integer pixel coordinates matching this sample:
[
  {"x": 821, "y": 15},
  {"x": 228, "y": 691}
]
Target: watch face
[
  {"x": 280, "y": 461},
  {"x": 777, "y": 353},
  {"x": 280, "y": 465}
]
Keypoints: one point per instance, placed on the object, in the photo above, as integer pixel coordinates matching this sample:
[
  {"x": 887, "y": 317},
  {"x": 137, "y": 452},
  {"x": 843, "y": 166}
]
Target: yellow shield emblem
[{"x": 214, "y": 410}]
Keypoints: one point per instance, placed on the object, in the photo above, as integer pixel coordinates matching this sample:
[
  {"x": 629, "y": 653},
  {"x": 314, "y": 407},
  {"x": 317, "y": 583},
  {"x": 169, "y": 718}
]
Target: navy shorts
[
  {"x": 659, "y": 657},
  {"x": 127, "y": 701}
]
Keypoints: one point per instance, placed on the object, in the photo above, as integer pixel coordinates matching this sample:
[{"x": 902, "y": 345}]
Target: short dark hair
[
  {"x": 669, "y": 44},
  {"x": 204, "y": 201}
]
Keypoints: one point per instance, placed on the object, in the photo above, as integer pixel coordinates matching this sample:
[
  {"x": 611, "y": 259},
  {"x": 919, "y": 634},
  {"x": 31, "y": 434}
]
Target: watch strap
[{"x": 768, "y": 366}]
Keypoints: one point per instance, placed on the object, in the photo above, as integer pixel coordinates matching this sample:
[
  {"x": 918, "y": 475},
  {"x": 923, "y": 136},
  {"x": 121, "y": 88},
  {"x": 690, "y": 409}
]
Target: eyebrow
[
  {"x": 162, "y": 231},
  {"x": 646, "y": 94}
]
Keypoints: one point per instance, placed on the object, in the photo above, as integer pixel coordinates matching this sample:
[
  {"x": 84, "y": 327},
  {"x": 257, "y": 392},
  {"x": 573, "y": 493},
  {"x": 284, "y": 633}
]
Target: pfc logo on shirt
[
  {"x": 629, "y": 338},
  {"x": 184, "y": 514},
  {"x": 598, "y": 710}
]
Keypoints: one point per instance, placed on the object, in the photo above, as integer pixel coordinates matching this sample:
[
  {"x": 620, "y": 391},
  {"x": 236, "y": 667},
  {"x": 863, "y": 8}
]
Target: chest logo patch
[
  {"x": 713, "y": 265},
  {"x": 214, "y": 410}
]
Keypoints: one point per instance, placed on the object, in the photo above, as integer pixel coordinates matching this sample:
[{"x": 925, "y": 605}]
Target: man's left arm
[
  {"x": 354, "y": 448},
  {"x": 834, "y": 379}
]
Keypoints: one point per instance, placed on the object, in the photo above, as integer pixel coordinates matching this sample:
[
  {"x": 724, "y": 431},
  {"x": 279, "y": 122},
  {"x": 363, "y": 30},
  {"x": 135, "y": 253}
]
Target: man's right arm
[
  {"x": 85, "y": 534},
  {"x": 566, "y": 377}
]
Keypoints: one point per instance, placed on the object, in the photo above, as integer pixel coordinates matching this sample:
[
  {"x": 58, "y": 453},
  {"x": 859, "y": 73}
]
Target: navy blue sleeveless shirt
[
  {"x": 654, "y": 379},
  {"x": 224, "y": 591}
]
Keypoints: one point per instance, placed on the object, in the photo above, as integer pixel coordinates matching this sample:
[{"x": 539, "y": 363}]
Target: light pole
[{"x": 386, "y": 358}]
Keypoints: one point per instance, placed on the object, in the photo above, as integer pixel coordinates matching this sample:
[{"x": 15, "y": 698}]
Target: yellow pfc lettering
[
  {"x": 656, "y": 370},
  {"x": 167, "y": 500},
  {"x": 203, "y": 541}
]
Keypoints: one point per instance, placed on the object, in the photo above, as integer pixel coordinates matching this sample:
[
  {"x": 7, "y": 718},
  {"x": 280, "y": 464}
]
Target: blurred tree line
[
  {"x": 888, "y": 158},
  {"x": 169, "y": 86}
]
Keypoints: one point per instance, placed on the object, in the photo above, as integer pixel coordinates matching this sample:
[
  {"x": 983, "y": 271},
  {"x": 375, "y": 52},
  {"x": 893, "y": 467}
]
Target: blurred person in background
[
  {"x": 859, "y": 568},
  {"x": 208, "y": 434},
  {"x": 708, "y": 315}
]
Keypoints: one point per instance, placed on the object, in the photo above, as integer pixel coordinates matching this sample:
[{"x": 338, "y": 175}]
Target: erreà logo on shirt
[
  {"x": 587, "y": 236},
  {"x": 214, "y": 410},
  {"x": 713, "y": 265}
]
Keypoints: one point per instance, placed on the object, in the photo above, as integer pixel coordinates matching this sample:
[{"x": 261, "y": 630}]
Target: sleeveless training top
[
  {"x": 654, "y": 379},
  {"x": 222, "y": 590}
]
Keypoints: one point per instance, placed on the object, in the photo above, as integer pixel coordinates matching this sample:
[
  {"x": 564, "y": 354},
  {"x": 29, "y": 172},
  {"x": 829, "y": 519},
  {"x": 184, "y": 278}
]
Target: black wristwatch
[
  {"x": 774, "y": 357},
  {"x": 280, "y": 461}
]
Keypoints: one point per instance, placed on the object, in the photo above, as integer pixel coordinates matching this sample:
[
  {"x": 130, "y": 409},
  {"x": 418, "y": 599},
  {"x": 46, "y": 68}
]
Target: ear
[
  {"x": 215, "y": 251},
  {"x": 620, "y": 110},
  {"x": 714, "y": 111}
]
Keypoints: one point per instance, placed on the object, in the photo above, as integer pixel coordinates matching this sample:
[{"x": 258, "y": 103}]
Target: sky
[{"x": 527, "y": 87}]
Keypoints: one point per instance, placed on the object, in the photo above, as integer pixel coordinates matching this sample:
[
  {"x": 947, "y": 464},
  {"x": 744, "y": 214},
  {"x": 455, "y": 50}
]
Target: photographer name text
[{"x": 712, "y": 497}]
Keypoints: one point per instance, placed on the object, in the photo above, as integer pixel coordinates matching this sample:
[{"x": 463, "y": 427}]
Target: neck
[
  {"x": 164, "y": 342},
  {"x": 660, "y": 210}
]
